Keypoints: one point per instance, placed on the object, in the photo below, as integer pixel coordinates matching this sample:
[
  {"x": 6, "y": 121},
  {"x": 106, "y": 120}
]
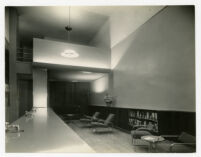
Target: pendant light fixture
[
  {"x": 68, "y": 27},
  {"x": 69, "y": 53}
]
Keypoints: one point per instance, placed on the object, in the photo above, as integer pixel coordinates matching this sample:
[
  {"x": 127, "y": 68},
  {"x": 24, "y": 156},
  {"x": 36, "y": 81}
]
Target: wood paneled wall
[
  {"x": 170, "y": 122},
  {"x": 68, "y": 97},
  {"x": 25, "y": 93}
]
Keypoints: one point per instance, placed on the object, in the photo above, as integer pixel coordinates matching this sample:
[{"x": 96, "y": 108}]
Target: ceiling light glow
[
  {"x": 86, "y": 72},
  {"x": 70, "y": 54}
]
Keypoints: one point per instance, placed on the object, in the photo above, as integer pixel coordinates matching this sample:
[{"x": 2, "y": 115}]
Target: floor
[
  {"x": 115, "y": 142},
  {"x": 43, "y": 131}
]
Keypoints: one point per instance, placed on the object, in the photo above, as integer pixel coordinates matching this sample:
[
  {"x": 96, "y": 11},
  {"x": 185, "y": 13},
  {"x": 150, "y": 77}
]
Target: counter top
[{"x": 45, "y": 132}]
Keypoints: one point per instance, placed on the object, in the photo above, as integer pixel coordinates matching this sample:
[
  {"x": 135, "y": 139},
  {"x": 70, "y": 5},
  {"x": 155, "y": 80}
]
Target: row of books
[
  {"x": 136, "y": 122},
  {"x": 144, "y": 115}
]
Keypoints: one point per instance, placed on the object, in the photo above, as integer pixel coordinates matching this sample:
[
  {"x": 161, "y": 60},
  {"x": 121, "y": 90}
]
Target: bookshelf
[{"x": 138, "y": 117}]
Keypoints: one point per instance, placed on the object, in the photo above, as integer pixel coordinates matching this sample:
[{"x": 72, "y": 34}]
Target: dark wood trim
[
  {"x": 169, "y": 122},
  {"x": 147, "y": 109}
]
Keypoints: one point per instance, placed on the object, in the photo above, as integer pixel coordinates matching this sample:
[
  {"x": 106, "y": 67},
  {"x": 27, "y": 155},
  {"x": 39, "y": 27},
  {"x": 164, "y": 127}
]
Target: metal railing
[{"x": 24, "y": 55}]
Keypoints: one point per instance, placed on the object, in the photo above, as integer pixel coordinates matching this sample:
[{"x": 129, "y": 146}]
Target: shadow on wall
[
  {"x": 157, "y": 65},
  {"x": 103, "y": 38}
]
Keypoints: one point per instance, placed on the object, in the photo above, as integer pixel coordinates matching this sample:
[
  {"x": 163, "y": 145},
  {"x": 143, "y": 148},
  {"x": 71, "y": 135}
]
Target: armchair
[
  {"x": 88, "y": 119},
  {"x": 142, "y": 130},
  {"x": 103, "y": 125},
  {"x": 183, "y": 143}
]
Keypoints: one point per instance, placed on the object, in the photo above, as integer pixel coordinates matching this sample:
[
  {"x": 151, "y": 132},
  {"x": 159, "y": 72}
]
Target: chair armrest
[
  {"x": 94, "y": 119},
  {"x": 86, "y": 116},
  {"x": 173, "y": 138},
  {"x": 176, "y": 144},
  {"x": 100, "y": 120},
  {"x": 98, "y": 124},
  {"x": 144, "y": 129}
]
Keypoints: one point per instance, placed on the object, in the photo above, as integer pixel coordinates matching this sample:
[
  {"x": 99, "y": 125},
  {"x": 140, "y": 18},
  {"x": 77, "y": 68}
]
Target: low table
[{"x": 153, "y": 140}]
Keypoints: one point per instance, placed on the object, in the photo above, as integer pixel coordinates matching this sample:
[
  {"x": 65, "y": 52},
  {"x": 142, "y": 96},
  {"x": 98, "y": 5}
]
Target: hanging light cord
[
  {"x": 69, "y": 16},
  {"x": 69, "y": 24},
  {"x": 68, "y": 27}
]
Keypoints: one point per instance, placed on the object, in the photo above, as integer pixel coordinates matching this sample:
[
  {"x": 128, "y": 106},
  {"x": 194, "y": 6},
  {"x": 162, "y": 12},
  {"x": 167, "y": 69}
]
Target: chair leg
[
  {"x": 134, "y": 144},
  {"x": 133, "y": 141}
]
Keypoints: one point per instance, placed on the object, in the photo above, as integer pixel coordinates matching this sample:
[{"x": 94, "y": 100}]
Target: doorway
[{"x": 25, "y": 93}]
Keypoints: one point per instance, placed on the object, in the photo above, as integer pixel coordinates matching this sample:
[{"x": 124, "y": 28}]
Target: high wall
[
  {"x": 154, "y": 67},
  {"x": 157, "y": 70},
  {"x": 123, "y": 21}
]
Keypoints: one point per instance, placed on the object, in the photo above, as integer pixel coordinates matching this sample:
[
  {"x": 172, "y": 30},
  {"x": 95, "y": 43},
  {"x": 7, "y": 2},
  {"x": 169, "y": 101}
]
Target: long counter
[{"x": 45, "y": 132}]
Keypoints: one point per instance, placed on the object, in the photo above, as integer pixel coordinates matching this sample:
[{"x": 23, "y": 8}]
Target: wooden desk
[{"x": 45, "y": 132}]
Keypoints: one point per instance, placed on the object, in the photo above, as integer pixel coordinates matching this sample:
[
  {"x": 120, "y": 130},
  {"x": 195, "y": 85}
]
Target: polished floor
[
  {"x": 45, "y": 132},
  {"x": 115, "y": 142}
]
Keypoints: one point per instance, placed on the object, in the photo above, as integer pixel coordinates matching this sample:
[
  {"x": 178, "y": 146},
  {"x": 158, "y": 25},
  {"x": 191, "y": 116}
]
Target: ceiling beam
[{"x": 69, "y": 67}]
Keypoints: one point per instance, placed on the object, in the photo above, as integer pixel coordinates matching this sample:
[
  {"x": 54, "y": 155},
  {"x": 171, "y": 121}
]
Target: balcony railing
[{"x": 24, "y": 55}]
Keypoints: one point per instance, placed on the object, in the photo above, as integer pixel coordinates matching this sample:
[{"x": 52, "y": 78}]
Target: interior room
[{"x": 100, "y": 79}]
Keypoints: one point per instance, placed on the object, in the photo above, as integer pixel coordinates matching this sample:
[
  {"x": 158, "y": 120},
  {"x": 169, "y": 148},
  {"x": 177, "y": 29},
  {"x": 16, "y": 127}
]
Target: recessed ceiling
[{"x": 73, "y": 76}]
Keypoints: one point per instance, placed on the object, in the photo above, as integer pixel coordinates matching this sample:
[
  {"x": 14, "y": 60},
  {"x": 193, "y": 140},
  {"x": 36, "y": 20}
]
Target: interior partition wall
[
  {"x": 25, "y": 93},
  {"x": 68, "y": 97}
]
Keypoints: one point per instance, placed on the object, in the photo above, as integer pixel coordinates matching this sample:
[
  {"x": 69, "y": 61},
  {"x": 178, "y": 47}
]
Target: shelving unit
[{"x": 142, "y": 118}]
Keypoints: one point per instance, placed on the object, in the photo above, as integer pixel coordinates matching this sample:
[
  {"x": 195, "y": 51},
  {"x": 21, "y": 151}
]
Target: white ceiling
[
  {"x": 50, "y": 22},
  {"x": 86, "y": 21}
]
